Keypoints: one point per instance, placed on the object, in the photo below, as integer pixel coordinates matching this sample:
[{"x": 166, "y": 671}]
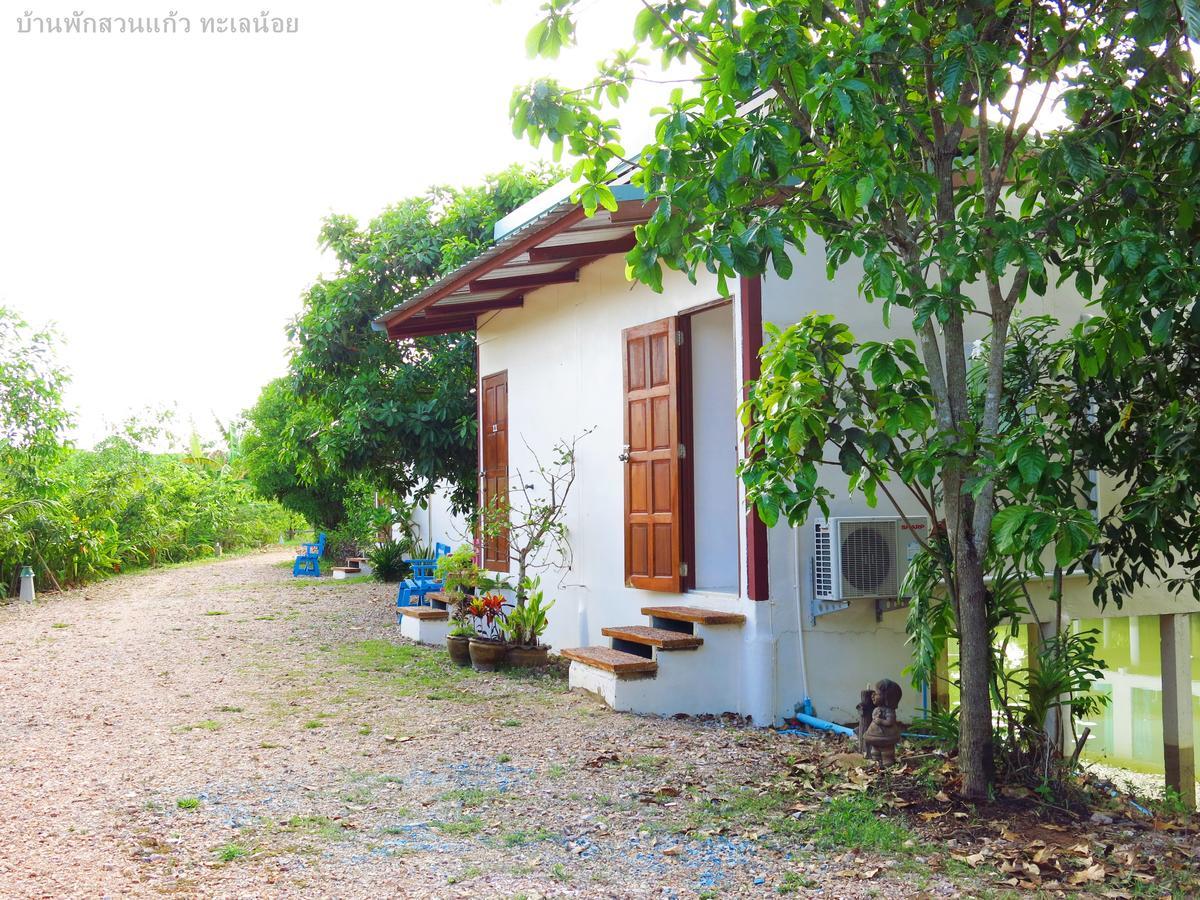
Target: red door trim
[{"x": 757, "y": 585}]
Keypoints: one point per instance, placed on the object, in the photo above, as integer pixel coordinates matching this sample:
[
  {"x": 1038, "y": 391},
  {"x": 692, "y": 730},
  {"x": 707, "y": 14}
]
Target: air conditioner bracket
[
  {"x": 817, "y": 608},
  {"x": 890, "y": 605}
]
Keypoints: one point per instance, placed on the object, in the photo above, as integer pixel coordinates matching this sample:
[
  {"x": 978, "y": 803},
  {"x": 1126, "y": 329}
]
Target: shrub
[{"x": 387, "y": 561}]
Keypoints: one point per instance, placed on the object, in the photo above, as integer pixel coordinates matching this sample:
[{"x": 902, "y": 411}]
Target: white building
[{"x": 658, "y": 519}]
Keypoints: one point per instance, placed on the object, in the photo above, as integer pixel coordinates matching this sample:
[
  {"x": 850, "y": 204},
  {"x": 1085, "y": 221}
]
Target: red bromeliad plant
[{"x": 486, "y": 610}]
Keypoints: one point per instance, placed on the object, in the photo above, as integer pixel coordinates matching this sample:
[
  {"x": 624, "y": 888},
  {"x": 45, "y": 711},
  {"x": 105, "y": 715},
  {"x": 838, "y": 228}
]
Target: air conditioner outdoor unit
[{"x": 864, "y": 557}]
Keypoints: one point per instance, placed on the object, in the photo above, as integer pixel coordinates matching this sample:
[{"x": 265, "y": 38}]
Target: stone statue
[{"x": 879, "y": 729}]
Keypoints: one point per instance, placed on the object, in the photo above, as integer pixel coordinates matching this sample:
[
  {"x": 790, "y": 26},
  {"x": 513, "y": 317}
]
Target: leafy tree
[
  {"x": 401, "y": 414},
  {"x": 280, "y": 453},
  {"x": 32, "y": 415},
  {"x": 911, "y": 138}
]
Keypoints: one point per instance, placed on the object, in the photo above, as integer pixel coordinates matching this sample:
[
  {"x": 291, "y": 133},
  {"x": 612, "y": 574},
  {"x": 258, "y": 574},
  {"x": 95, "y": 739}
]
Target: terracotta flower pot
[
  {"x": 487, "y": 655},
  {"x": 528, "y": 657},
  {"x": 460, "y": 650}
]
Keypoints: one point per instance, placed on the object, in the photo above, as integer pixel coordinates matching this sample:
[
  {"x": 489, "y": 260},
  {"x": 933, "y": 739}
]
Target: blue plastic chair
[
  {"x": 308, "y": 561},
  {"x": 422, "y": 580}
]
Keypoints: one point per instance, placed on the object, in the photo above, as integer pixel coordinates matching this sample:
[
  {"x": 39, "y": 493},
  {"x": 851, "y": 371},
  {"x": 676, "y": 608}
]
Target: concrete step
[
  {"x": 610, "y": 660},
  {"x": 660, "y": 638}
]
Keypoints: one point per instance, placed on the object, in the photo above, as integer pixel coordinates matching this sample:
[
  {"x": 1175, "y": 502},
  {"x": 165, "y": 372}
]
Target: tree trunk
[{"x": 975, "y": 752}]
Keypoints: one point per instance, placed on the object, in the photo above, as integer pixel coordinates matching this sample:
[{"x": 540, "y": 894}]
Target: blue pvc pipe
[{"x": 822, "y": 725}]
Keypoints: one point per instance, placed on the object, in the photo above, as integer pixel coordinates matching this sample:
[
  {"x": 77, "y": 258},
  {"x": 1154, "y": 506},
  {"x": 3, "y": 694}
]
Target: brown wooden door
[
  {"x": 493, "y": 442},
  {"x": 653, "y": 519}
]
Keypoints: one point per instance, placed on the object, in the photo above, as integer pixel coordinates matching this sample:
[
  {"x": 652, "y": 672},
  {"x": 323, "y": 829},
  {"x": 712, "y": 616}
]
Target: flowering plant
[{"x": 486, "y": 610}]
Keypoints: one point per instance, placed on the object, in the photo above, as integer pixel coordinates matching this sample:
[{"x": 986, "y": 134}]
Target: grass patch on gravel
[
  {"x": 469, "y": 797},
  {"x": 188, "y": 803},
  {"x": 464, "y": 827},
  {"x": 320, "y": 826},
  {"x": 853, "y": 821},
  {"x": 420, "y": 671},
  {"x": 230, "y": 852}
]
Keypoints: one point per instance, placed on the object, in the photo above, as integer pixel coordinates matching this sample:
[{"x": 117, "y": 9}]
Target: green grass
[
  {"x": 230, "y": 709},
  {"x": 511, "y": 723},
  {"x": 464, "y": 827},
  {"x": 520, "y": 837},
  {"x": 314, "y": 723},
  {"x": 556, "y": 771},
  {"x": 465, "y": 875},
  {"x": 647, "y": 762},
  {"x": 60, "y": 625},
  {"x": 230, "y": 852},
  {"x": 422, "y": 667},
  {"x": 744, "y": 807},
  {"x": 560, "y": 874},
  {"x": 188, "y": 803},
  {"x": 792, "y": 882},
  {"x": 469, "y": 797},
  {"x": 205, "y": 725},
  {"x": 216, "y": 612},
  {"x": 503, "y": 758},
  {"x": 321, "y": 826},
  {"x": 853, "y": 822}
]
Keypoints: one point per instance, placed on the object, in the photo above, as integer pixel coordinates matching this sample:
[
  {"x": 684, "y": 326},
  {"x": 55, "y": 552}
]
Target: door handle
[{"x": 624, "y": 457}]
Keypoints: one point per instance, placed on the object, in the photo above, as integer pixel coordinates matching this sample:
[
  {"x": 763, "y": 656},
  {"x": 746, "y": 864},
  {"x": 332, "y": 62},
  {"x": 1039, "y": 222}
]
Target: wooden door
[
  {"x": 493, "y": 440},
  {"x": 653, "y": 519}
]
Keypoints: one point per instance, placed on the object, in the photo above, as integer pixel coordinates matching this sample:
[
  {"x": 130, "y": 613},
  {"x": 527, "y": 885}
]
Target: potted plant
[
  {"x": 458, "y": 572},
  {"x": 458, "y": 641},
  {"x": 459, "y": 575},
  {"x": 523, "y": 627},
  {"x": 487, "y": 645},
  {"x": 531, "y": 521}
]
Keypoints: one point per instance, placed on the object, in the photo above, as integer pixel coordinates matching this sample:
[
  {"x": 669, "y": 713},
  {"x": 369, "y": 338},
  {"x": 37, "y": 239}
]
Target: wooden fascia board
[
  {"x": 583, "y": 249},
  {"x": 466, "y": 277},
  {"x": 425, "y": 327},
  {"x": 562, "y": 276},
  {"x": 482, "y": 306}
]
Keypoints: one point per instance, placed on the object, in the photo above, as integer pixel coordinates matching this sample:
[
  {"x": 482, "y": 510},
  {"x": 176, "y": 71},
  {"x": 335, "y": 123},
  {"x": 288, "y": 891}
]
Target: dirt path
[{"x": 225, "y": 730}]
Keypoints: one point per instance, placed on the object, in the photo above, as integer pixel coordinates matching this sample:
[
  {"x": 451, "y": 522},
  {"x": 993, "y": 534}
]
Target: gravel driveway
[{"x": 223, "y": 729}]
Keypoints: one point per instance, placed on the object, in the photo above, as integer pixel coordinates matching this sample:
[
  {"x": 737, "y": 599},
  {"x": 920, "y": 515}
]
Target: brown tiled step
[
  {"x": 425, "y": 613},
  {"x": 357, "y": 559},
  {"x": 349, "y": 570},
  {"x": 612, "y": 660},
  {"x": 653, "y": 637},
  {"x": 693, "y": 614}
]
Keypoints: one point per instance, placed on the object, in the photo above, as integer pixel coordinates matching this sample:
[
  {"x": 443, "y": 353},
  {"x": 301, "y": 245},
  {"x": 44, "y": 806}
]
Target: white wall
[
  {"x": 563, "y": 354},
  {"x": 715, "y": 449},
  {"x": 438, "y": 523}
]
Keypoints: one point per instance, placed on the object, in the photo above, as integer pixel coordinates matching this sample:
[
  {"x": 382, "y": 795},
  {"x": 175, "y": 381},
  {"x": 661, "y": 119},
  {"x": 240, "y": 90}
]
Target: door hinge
[
  {"x": 679, "y": 338},
  {"x": 683, "y": 451},
  {"x": 683, "y": 570}
]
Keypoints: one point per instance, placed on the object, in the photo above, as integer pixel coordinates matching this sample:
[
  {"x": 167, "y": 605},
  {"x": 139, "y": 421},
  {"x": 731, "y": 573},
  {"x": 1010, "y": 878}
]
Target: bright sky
[{"x": 161, "y": 194}]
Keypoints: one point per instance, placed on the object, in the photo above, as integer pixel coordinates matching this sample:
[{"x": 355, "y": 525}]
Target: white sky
[{"x": 160, "y": 195}]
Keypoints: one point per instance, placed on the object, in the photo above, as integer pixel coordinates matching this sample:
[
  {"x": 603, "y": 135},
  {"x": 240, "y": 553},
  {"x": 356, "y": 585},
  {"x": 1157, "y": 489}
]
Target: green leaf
[
  {"x": 864, "y": 190},
  {"x": 1160, "y": 333},
  {"x": 1031, "y": 463},
  {"x": 1191, "y": 15}
]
